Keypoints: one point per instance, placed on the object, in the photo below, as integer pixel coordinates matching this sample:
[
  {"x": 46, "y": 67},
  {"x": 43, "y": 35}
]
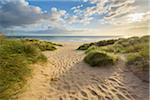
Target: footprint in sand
[
  {"x": 72, "y": 79},
  {"x": 84, "y": 94}
]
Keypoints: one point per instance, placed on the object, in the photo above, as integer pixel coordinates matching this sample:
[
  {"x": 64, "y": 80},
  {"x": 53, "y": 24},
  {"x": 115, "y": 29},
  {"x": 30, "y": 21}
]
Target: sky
[{"x": 75, "y": 17}]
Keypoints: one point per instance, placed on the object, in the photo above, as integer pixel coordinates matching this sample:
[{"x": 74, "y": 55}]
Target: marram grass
[{"x": 15, "y": 59}]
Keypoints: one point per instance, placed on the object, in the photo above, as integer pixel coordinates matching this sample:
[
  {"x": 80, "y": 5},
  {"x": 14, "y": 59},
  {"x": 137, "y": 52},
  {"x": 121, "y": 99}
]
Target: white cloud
[
  {"x": 77, "y": 7},
  {"x": 131, "y": 18},
  {"x": 106, "y": 9},
  {"x": 18, "y": 13},
  {"x": 135, "y": 17},
  {"x": 138, "y": 17},
  {"x": 21, "y": 15},
  {"x": 56, "y": 15}
]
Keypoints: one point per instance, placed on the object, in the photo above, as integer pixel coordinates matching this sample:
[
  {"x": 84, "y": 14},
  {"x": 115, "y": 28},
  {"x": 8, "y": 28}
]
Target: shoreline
[{"x": 80, "y": 39}]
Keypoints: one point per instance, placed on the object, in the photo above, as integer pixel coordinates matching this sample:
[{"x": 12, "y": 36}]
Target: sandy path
[{"x": 67, "y": 77}]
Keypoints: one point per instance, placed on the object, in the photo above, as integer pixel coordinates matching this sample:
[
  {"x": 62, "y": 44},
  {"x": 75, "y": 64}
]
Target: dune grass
[
  {"x": 98, "y": 58},
  {"x": 85, "y": 46},
  {"x": 42, "y": 45},
  {"x": 138, "y": 62},
  {"x": 15, "y": 59},
  {"x": 139, "y": 58},
  {"x": 99, "y": 43},
  {"x": 135, "y": 49}
]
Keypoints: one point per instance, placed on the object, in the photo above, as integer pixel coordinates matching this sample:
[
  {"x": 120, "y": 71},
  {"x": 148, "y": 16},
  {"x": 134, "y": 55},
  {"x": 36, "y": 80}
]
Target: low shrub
[{"x": 97, "y": 58}]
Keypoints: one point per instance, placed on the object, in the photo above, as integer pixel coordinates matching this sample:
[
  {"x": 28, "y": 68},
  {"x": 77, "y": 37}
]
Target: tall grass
[
  {"x": 15, "y": 57},
  {"x": 140, "y": 58},
  {"x": 136, "y": 49},
  {"x": 42, "y": 45},
  {"x": 98, "y": 44},
  {"x": 98, "y": 58}
]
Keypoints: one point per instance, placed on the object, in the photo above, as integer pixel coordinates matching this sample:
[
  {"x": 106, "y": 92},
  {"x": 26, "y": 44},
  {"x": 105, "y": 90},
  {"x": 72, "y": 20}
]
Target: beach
[
  {"x": 74, "y": 50},
  {"x": 65, "y": 76}
]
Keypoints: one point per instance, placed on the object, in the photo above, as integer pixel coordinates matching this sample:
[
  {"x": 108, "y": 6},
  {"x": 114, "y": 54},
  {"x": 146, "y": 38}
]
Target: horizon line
[
  {"x": 68, "y": 35},
  {"x": 58, "y": 0}
]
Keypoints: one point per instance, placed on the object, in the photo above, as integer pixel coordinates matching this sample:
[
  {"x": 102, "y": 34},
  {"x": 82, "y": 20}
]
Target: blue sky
[
  {"x": 66, "y": 5},
  {"x": 74, "y": 17}
]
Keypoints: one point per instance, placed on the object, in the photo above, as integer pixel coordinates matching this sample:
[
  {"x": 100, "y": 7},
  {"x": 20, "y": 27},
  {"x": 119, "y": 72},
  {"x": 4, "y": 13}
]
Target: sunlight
[
  {"x": 74, "y": 49},
  {"x": 136, "y": 17}
]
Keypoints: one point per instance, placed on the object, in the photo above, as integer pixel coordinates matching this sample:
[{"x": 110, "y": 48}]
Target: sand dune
[{"x": 67, "y": 77}]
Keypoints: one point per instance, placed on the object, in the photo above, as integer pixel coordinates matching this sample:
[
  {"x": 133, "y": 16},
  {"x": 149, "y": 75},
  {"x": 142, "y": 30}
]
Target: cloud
[
  {"x": 77, "y": 7},
  {"x": 134, "y": 18},
  {"x": 78, "y": 17},
  {"x": 19, "y": 15},
  {"x": 139, "y": 17},
  {"x": 111, "y": 8},
  {"x": 51, "y": 30},
  {"x": 18, "y": 12},
  {"x": 78, "y": 20},
  {"x": 118, "y": 8},
  {"x": 103, "y": 9},
  {"x": 57, "y": 15}
]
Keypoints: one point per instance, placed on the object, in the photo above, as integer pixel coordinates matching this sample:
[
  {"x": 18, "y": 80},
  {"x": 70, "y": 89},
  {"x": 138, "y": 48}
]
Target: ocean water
[{"x": 67, "y": 38}]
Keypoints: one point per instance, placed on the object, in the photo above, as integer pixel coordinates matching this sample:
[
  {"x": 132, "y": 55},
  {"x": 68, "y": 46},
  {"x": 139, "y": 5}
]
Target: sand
[{"x": 67, "y": 77}]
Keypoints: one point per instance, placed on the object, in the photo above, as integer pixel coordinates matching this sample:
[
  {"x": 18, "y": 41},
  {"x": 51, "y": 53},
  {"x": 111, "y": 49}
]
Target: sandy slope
[{"x": 67, "y": 77}]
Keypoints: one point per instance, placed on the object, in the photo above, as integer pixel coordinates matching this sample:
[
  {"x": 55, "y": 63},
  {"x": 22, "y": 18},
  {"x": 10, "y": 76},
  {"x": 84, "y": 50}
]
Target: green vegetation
[
  {"x": 15, "y": 59},
  {"x": 138, "y": 62},
  {"x": 100, "y": 43},
  {"x": 42, "y": 45},
  {"x": 85, "y": 46},
  {"x": 139, "y": 58},
  {"x": 135, "y": 49},
  {"x": 97, "y": 58}
]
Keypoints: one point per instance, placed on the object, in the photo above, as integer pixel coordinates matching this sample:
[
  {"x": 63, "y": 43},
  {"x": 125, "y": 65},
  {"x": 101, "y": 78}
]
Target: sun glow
[{"x": 136, "y": 17}]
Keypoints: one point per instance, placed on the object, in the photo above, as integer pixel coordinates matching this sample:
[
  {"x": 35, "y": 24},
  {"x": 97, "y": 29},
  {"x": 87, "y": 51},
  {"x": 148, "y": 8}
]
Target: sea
[{"x": 67, "y": 38}]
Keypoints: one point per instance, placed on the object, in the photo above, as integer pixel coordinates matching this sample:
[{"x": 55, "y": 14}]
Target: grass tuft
[
  {"x": 97, "y": 58},
  {"x": 98, "y": 44},
  {"x": 42, "y": 45},
  {"x": 136, "y": 49},
  {"x": 15, "y": 57}
]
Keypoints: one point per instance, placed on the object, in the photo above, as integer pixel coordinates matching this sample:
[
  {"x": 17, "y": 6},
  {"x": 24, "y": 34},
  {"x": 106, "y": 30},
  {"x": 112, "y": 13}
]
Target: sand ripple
[{"x": 67, "y": 77}]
